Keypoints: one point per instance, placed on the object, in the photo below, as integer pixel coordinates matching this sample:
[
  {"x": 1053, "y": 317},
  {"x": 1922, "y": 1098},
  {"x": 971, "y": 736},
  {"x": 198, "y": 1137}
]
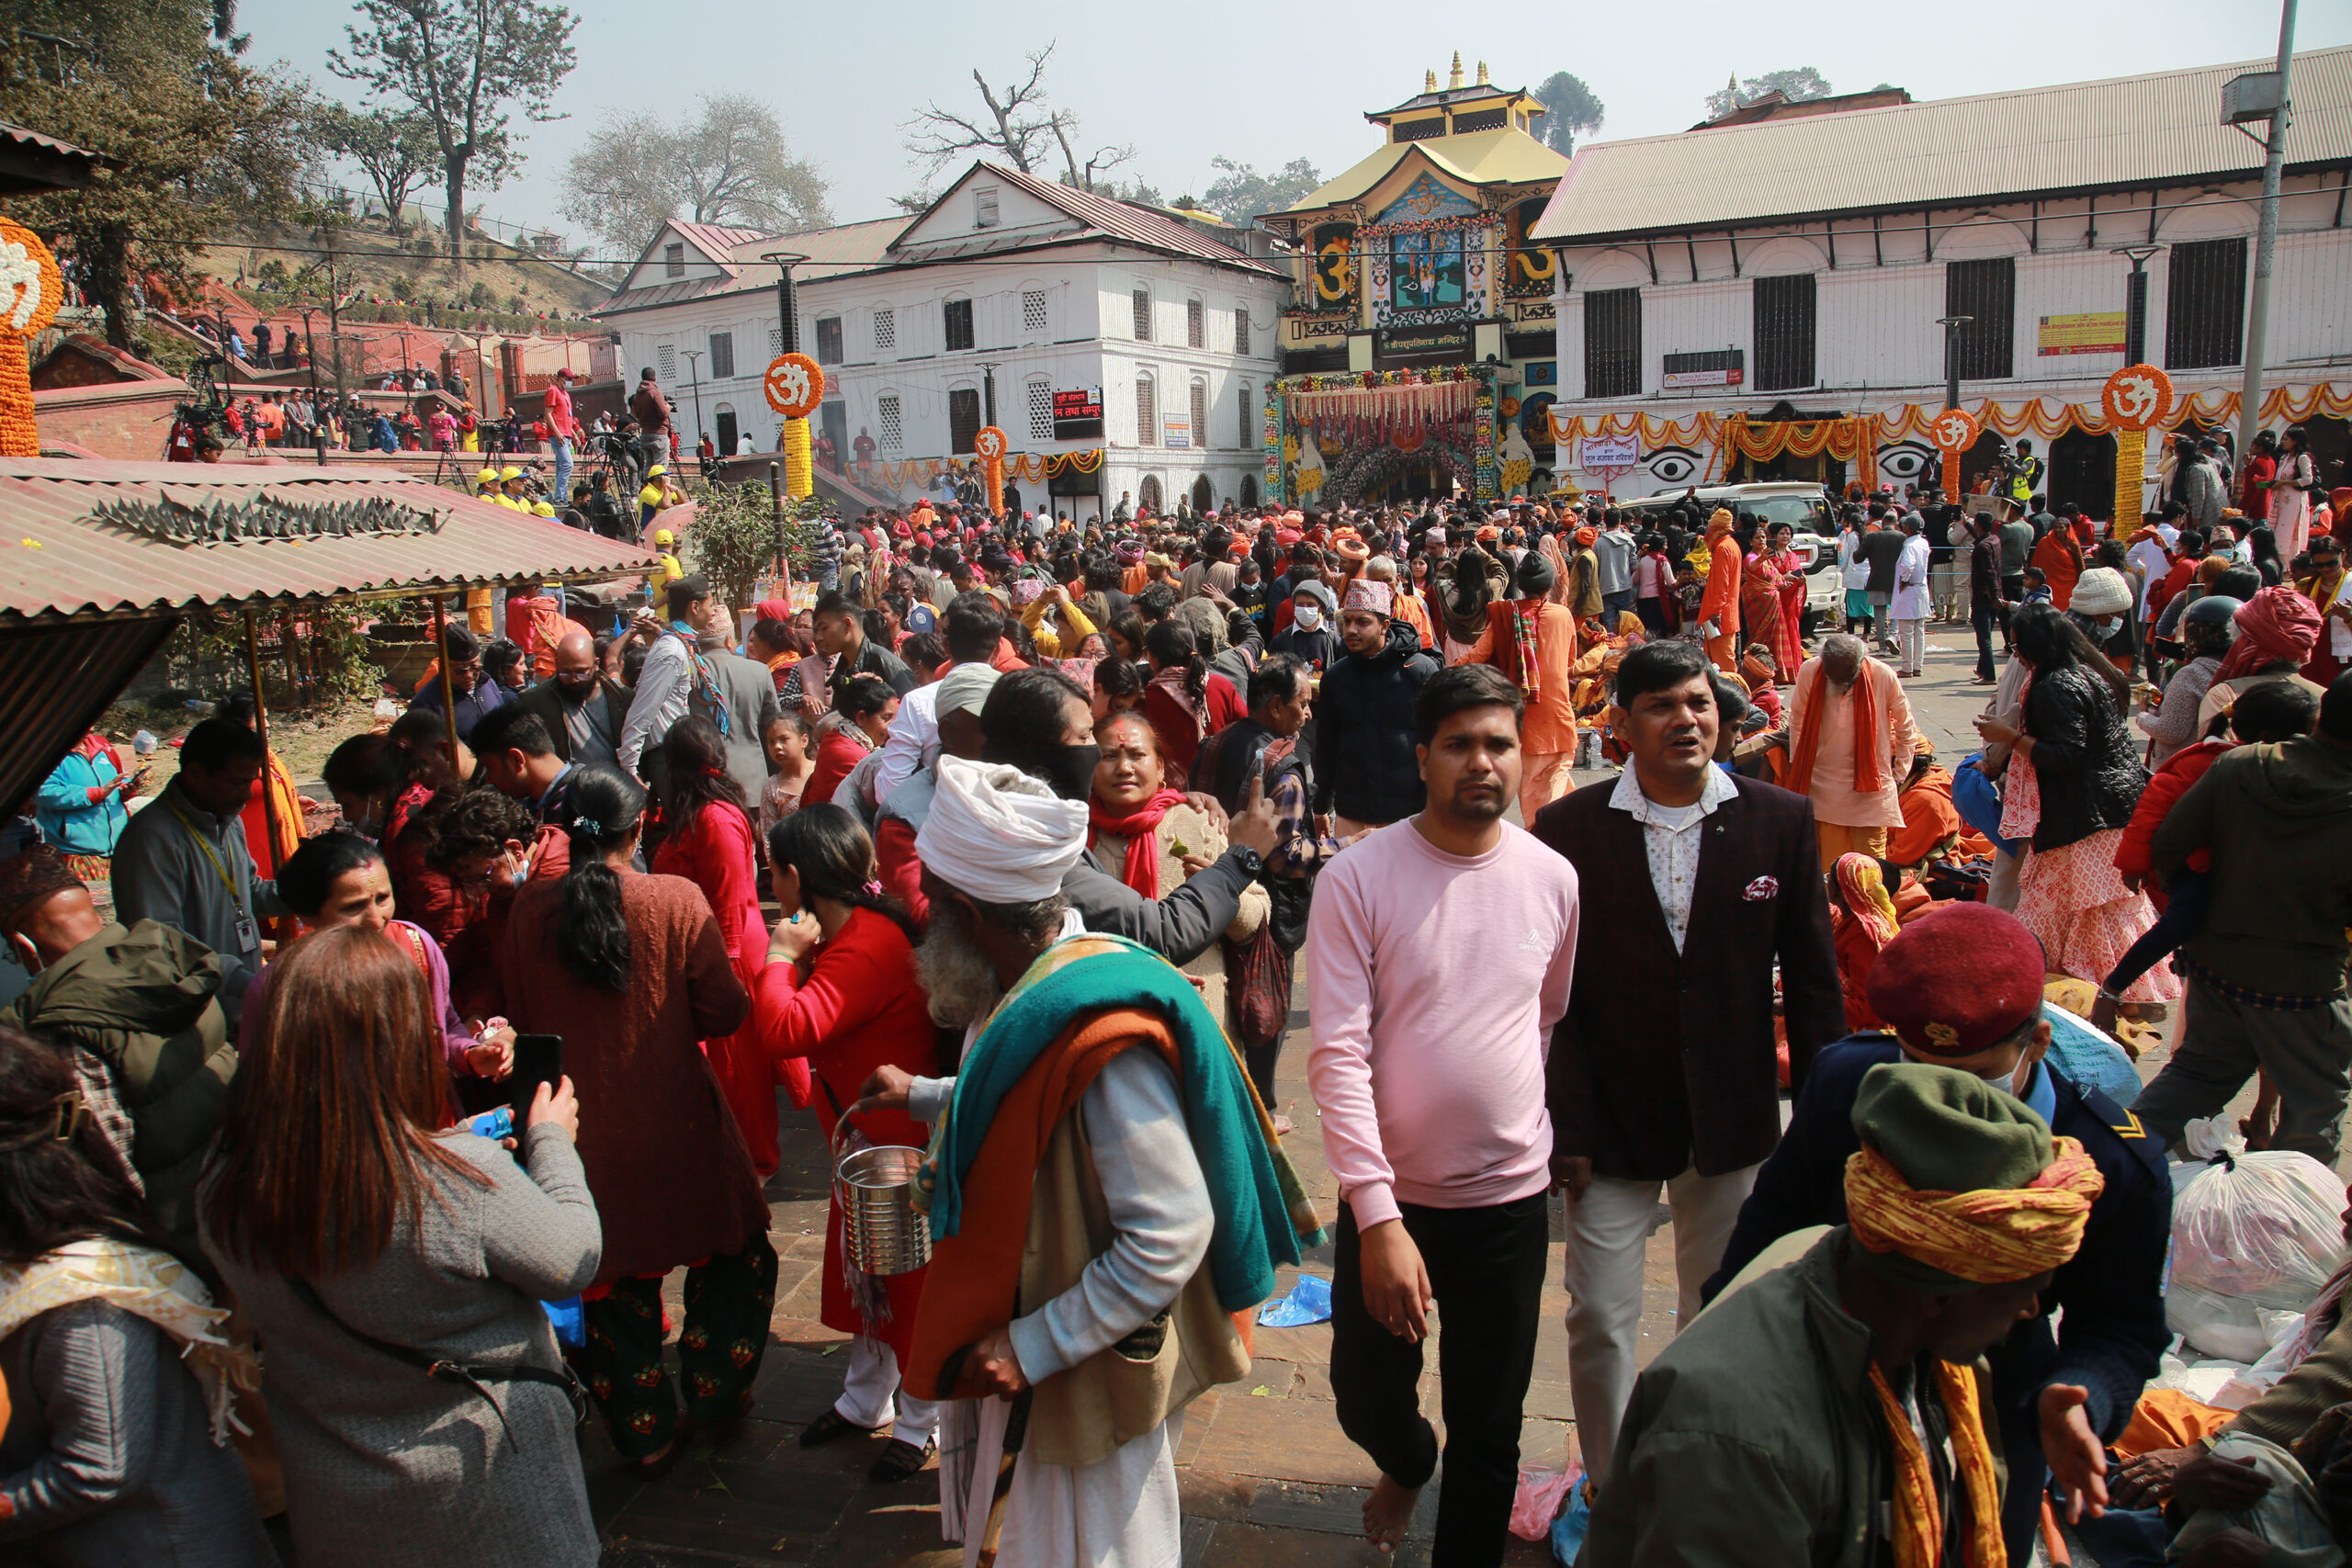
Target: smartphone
[{"x": 538, "y": 1059}]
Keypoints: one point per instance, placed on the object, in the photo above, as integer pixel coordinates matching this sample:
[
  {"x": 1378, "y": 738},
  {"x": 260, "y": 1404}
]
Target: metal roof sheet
[
  {"x": 1102, "y": 218},
  {"x": 58, "y": 559},
  {"x": 845, "y": 247},
  {"x": 1508, "y": 156},
  {"x": 2162, "y": 128}
]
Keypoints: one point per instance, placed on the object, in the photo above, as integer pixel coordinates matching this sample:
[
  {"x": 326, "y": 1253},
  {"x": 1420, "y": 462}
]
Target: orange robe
[
  {"x": 2060, "y": 566},
  {"x": 1720, "y": 605}
]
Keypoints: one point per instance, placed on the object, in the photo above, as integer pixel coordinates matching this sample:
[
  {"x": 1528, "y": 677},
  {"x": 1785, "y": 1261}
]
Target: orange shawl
[{"x": 1870, "y": 768}]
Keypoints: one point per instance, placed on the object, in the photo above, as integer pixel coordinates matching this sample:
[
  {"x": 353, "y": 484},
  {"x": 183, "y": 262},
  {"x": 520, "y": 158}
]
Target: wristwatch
[{"x": 1248, "y": 859}]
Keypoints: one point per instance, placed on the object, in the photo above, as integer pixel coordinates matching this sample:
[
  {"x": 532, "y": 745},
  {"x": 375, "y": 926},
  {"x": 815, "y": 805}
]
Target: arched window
[
  {"x": 1203, "y": 494},
  {"x": 1201, "y": 413},
  {"x": 1249, "y": 490},
  {"x": 723, "y": 416}
]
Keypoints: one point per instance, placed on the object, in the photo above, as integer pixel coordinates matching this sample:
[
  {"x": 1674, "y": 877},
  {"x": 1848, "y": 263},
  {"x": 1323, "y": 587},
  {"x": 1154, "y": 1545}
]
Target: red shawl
[
  {"x": 1869, "y": 766},
  {"x": 1140, "y": 827}
]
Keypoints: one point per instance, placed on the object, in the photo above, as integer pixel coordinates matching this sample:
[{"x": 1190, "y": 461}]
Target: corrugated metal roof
[
  {"x": 1508, "y": 156},
  {"x": 1103, "y": 216},
  {"x": 845, "y": 247},
  {"x": 2132, "y": 131},
  {"x": 58, "y": 559}
]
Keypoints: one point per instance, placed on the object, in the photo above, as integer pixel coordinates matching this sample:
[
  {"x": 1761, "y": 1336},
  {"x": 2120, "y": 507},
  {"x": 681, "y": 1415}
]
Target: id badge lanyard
[{"x": 246, "y": 933}]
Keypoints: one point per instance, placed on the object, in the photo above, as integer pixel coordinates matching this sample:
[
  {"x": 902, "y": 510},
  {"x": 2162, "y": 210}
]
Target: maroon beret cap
[{"x": 1957, "y": 979}]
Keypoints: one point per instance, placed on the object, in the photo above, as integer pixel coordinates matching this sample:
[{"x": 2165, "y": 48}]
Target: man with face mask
[
  {"x": 582, "y": 709},
  {"x": 1041, "y": 722},
  {"x": 1308, "y": 638},
  {"x": 1961, "y": 987}
]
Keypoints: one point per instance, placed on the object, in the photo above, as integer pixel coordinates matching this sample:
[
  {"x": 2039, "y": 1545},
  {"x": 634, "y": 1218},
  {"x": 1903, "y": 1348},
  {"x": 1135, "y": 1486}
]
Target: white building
[
  {"x": 1792, "y": 261},
  {"x": 1008, "y": 295}
]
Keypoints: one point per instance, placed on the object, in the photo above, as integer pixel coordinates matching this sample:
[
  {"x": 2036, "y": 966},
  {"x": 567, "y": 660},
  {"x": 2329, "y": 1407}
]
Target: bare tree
[
  {"x": 727, "y": 166},
  {"x": 1013, "y": 128},
  {"x": 1102, "y": 161}
]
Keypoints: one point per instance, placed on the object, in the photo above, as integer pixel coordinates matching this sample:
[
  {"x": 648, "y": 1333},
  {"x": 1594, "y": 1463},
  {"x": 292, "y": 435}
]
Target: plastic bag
[
  {"x": 2263, "y": 1376},
  {"x": 2089, "y": 1057},
  {"x": 2266, "y": 1227},
  {"x": 1309, "y": 1301},
  {"x": 1536, "y": 1502},
  {"x": 2227, "y": 1326}
]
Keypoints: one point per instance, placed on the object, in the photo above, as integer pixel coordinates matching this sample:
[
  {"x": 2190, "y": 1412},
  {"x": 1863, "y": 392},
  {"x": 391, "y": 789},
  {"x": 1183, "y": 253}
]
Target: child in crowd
[
  {"x": 787, "y": 744},
  {"x": 2037, "y": 587}
]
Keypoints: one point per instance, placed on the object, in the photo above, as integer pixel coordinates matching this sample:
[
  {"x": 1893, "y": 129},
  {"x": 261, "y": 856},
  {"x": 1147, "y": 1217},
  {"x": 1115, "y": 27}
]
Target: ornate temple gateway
[{"x": 1420, "y": 358}]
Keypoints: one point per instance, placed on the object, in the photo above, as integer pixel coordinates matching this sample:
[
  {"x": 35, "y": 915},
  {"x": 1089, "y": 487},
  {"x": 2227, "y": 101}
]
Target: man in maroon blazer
[{"x": 1665, "y": 1070}]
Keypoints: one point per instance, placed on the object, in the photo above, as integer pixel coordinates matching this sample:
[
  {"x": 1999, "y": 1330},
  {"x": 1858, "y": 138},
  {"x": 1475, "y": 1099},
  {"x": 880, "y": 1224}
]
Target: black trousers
[
  {"x": 1985, "y": 617},
  {"x": 1485, "y": 1267}
]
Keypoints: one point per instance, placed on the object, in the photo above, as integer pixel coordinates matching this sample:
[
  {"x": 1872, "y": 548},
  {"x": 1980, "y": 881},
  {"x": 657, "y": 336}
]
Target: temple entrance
[
  {"x": 2082, "y": 469},
  {"x": 1204, "y": 496},
  {"x": 1434, "y": 468}
]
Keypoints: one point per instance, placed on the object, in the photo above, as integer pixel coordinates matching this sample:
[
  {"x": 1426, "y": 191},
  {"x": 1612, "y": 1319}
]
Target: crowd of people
[{"x": 1052, "y": 819}]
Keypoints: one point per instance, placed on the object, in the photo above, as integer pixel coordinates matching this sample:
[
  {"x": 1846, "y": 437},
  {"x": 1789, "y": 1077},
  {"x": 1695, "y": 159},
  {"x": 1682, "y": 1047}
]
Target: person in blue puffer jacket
[{"x": 80, "y": 806}]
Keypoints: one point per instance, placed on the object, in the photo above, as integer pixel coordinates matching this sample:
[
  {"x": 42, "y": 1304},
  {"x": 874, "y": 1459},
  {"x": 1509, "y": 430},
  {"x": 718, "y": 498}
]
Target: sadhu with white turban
[
  {"x": 1099, "y": 1160},
  {"x": 1783, "y": 1426}
]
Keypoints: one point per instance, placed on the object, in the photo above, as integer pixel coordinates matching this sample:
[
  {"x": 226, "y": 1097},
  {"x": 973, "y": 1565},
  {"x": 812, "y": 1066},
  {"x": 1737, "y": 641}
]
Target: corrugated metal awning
[{"x": 82, "y": 539}]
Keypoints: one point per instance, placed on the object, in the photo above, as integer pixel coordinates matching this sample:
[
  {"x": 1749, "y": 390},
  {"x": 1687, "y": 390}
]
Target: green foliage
[
  {"x": 272, "y": 274},
  {"x": 479, "y": 297},
  {"x": 727, "y": 166},
  {"x": 198, "y": 140},
  {"x": 733, "y": 538},
  {"x": 1570, "y": 109},
  {"x": 1240, "y": 193},
  {"x": 1800, "y": 83},
  {"x": 396, "y": 152}
]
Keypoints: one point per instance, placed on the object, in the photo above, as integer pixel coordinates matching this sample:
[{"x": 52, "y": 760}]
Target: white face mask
[{"x": 1310, "y": 618}]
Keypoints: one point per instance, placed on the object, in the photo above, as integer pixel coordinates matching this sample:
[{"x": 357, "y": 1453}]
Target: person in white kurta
[{"x": 1910, "y": 605}]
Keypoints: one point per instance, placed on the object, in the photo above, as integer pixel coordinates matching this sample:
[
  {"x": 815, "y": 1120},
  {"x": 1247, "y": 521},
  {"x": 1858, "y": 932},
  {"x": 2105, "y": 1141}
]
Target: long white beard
[{"x": 959, "y": 982}]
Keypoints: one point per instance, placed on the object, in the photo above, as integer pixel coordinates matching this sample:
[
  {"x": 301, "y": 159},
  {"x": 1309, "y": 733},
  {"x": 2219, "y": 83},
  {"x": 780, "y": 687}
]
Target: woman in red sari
[
  {"x": 709, "y": 844},
  {"x": 1763, "y": 574},
  {"x": 842, "y": 998}
]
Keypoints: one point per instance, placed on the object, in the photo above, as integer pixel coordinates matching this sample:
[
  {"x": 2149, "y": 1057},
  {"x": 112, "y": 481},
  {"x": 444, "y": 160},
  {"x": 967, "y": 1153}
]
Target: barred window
[
  {"x": 885, "y": 415},
  {"x": 1201, "y": 413},
  {"x": 1147, "y": 413},
  {"x": 957, "y": 314},
  {"x": 1612, "y": 343},
  {"x": 1241, "y": 331},
  {"x": 1196, "y": 324},
  {"x": 775, "y": 342},
  {"x": 1143, "y": 315},
  {"x": 1041, "y": 411},
  {"x": 963, "y": 418},
  {"x": 1248, "y": 412},
  {"x": 1984, "y": 291},
  {"x": 2205, "y": 304},
  {"x": 666, "y": 359},
  {"x": 1783, "y": 308},
  {"x": 885, "y": 331},
  {"x": 1033, "y": 310},
  {"x": 829, "y": 340},
  {"x": 722, "y": 355}
]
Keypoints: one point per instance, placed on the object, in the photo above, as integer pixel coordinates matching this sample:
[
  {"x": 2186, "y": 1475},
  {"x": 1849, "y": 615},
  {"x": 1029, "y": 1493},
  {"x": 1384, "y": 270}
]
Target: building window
[
  {"x": 1201, "y": 415},
  {"x": 1248, "y": 413},
  {"x": 1784, "y": 331},
  {"x": 775, "y": 342},
  {"x": 674, "y": 261},
  {"x": 1147, "y": 413},
  {"x": 963, "y": 418},
  {"x": 885, "y": 331},
  {"x": 666, "y": 359},
  {"x": 1196, "y": 324},
  {"x": 1241, "y": 331},
  {"x": 1481, "y": 119},
  {"x": 1143, "y": 315},
  {"x": 829, "y": 340},
  {"x": 984, "y": 207},
  {"x": 1612, "y": 343},
  {"x": 958, "y": 316},
  {"x": 889, "y": 433},
  {"x": 722, "y": 355},
  {"x": 2205, "y": 304},
  {"x": 1986, "y": 292},
  {"x": 1041, "y": 411},
  {"x": 1033, "y": 310}
]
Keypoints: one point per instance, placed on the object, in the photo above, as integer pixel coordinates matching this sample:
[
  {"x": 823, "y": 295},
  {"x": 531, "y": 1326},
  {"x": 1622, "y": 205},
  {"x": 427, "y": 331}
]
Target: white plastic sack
[
  {"x": 2227, "y": 1326},
  {"x": 2263, "y": 1376},
  {"x": 2265, "y": 1227}
]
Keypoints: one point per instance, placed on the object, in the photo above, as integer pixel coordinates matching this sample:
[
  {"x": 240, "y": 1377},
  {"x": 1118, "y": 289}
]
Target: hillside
[{"x": 265, "y": 262}]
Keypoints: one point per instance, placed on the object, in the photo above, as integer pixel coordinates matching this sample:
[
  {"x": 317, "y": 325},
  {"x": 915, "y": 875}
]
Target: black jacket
[
  {"x": 1882, "y": 550},
  {"x": 2114, "y": 1329},
  {"x": 1364, "y": 735},
  {"x": 2088, "y": 765},
  {"x": 1666, "y": 1060},
  {"x": 546, "y": 699}
]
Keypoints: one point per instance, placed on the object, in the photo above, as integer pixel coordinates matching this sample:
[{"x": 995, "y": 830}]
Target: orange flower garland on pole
[
  {"x": 2134, "y": 399},
  {"x": 1954, "y": 431},
  {"x": 989, "y": 443},
  {"x": 794, "y": 385},
  {"x": 33, "y": 290}
]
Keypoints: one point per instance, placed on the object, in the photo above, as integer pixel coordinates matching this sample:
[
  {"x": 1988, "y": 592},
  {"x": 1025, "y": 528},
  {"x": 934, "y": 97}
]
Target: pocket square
[{"x": 1763, "y": 887}]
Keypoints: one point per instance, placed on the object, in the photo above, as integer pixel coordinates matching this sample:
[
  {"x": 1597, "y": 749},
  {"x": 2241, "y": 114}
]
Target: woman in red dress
[
  {"x": 860, "y": 725},
  {"x": 1764, "y": 599},
  {"x": 842, "y": 998},
  {"x": 709, "y": 844}
]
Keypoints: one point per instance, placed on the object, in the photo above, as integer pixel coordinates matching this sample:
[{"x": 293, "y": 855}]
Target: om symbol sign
[
  {"x": 1953, "y": 431},
  {"x": 2136, "y": 397},
  {"x": 30, "y": 290},
  {"x": 989, "y": 444},
  {"x": 794, "y": 385}
]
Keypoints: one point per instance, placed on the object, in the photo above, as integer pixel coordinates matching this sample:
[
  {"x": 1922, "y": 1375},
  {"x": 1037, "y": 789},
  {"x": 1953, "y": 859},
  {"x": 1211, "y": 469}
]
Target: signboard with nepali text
[
  {"x": 2090, "y": 332},
  {"x": 1598, "y": 452},
  {"x": 1078, "y": 414}
]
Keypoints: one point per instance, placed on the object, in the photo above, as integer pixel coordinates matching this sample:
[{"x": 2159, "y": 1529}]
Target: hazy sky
[{"x": 1263, "y": 84}]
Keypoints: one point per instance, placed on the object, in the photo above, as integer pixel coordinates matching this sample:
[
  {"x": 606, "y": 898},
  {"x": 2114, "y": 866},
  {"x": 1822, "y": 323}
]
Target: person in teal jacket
[{"x": 80, "y": 806}]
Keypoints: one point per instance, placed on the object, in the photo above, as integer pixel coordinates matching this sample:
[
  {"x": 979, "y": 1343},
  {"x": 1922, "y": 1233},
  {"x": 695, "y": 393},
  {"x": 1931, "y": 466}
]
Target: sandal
[
  {"x": 901, "y": 1462},
  {"x": 831, "y": 1426},
  {"x": 654, "y": 1466}
]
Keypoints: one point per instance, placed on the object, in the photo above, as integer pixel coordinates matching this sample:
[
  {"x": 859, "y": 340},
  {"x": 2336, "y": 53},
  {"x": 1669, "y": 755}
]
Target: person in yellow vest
[
  {"x": 670, "y": 572},
  {"x": 656, "y": 494},
  {"x": 486, "y": 484},
  {"x": 510, "y": 489}
]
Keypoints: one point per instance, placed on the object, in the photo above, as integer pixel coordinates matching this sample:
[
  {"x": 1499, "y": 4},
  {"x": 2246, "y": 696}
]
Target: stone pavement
[{"x": 1266, "y": 1476}]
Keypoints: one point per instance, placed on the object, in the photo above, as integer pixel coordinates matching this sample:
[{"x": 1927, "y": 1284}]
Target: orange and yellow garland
[{"x": 35, "y": 289}]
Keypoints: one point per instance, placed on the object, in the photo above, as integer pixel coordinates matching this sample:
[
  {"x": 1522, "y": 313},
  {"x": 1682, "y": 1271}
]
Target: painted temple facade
[{"x": 1420, "y": 355}]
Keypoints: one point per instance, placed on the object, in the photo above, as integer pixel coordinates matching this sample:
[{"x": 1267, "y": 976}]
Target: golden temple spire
[
  {"x": 1429, "y": 82},
  {"x": 1482, "y": 74},
  {"x": 1456, "y": 81}
]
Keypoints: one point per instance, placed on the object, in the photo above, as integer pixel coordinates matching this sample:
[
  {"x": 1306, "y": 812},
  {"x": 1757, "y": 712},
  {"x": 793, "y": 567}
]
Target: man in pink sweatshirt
[{"x": 1438, "y": 960}]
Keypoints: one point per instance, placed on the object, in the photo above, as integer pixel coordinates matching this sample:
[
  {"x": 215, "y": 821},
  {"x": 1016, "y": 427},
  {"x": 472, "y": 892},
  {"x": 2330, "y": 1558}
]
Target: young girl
[{"x": 787, "y": 744}]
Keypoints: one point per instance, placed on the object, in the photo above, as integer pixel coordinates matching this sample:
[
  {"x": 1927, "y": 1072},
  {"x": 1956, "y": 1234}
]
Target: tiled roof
[
  {"x": 58, "y": 558},
  {"x": 1103, "y": 217},
  {"x": 2164, "y": 128}
]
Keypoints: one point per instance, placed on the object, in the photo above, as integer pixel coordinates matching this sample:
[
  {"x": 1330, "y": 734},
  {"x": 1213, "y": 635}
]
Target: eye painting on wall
[
  {"x": 1905, "y": 462},
  {"x": 1674, "y": 465}
]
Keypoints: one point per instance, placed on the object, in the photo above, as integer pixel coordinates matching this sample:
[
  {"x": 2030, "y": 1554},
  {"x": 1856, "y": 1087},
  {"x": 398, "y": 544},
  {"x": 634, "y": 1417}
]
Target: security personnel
[
  {"x": 510, "y": 489},
  {"x": 655, "y": 495},
  {"x": 2024, "y": 471},
  {"x": 1960, "y": 986},
  {"x": 670, "y": 572}
]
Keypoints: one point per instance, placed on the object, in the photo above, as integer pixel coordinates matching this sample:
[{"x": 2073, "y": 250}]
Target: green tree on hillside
[
  {"x": 467, "y": 67},
  {"x": 395, "y": 152},
  {"x": 1240, "y": 193},
  {"x": 1799, "y": 83},
  {"x": 1569, "y": 110}
]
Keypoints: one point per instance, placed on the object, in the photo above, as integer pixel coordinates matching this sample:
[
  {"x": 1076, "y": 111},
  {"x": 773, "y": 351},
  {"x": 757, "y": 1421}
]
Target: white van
[{"x": 1804, "y": 506}]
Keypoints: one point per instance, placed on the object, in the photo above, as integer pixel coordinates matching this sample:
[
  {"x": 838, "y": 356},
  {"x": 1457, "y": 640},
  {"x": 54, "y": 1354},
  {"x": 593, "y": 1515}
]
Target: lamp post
[
  {"x": 694, "y": 374},
  {"x": 2266, "y": 240},
  {"x": 311, "y": 353},
  {"x": 1952, "y": 325},
  {"x": 787, "y": 307},
  {"x": 2135, "y": 304},
  {"x": 988, "y": 391}
]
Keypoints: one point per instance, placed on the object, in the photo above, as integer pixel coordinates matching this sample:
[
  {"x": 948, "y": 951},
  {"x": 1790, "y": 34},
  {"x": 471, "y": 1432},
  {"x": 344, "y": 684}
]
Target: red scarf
[
  {"x": 1869, "y": 759},
  {"x": 1140, "y": 827}
]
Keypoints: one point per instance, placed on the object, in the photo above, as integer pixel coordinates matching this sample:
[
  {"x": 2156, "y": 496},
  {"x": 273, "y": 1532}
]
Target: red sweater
[{"x": 2185, "y": 767}]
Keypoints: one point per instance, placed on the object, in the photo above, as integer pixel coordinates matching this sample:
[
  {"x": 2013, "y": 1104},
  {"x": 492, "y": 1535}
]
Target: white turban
[
  {"x": 964, "y": 688},
  {"x": 998, "y": 835}
]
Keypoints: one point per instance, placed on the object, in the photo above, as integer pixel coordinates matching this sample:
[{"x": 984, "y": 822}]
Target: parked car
[{"x": 1804, "y": 506}]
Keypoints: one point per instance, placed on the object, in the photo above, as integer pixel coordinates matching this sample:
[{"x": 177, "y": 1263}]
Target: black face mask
[{"x": 1068, "y": 769}]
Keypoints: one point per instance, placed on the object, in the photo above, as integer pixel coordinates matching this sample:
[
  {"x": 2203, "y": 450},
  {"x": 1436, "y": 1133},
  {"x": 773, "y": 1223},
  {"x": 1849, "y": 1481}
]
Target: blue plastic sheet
[
  {"x": 2090, "y": 1058},
  {"x": 1309, "y": 1301},
  {"x": 1567, "y": 1530},
  {"x": 570, "y": 1317}
]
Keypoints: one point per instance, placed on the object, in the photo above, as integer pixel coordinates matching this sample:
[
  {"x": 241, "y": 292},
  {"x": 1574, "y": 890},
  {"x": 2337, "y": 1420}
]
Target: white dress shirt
[{"x": 1671, "y": 834}]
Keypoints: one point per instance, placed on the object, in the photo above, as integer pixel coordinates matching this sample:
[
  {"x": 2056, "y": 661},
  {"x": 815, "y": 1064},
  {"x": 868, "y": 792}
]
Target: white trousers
[
  {"x": 1609, "y": 1231},
  {"x": 867, "y": 1391},
  {"x": 1911, "y": 637}
]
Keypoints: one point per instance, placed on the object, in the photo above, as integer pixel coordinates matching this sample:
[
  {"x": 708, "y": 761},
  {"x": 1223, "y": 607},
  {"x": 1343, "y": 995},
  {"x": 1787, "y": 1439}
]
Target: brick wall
[{"x": 129, "y": 421}]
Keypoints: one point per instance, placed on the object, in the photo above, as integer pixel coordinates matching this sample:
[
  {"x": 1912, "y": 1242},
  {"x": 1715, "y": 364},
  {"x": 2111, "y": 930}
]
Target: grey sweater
[
  {"x": 385, "y": 1466},
  {"x": 106, "y": 1458}
]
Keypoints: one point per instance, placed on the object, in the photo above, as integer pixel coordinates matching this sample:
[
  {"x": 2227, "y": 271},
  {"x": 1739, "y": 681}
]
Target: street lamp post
[
  {"x": 311, "y": 353},
  {"x": 694, "y": 374},
  {"x": 2135, "y": 305},
  {"x": 2265, "y": 241},
  {"x": 987, "y": 393},
  {"x": 1952, "y": 325}
]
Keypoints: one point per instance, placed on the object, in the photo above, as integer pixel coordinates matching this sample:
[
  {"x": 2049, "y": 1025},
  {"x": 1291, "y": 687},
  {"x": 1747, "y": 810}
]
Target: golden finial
[
  {"x": 1456, "y": 82},
  {"x": 1482, "y": 74},
  {"x": 1429, "y": 82}
]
